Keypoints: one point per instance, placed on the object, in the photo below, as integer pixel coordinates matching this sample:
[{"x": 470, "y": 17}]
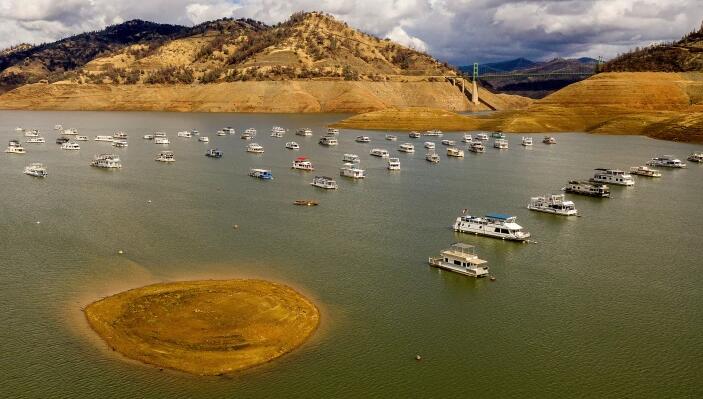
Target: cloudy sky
[{"x": 459, "y": 31}]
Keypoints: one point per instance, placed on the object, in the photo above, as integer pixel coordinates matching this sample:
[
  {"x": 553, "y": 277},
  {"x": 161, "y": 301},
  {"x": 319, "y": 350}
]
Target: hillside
[
  {"x": 685, "y": 55},
  {"x": 165, "y": 62},
  {"x": 660, "y": 105}
]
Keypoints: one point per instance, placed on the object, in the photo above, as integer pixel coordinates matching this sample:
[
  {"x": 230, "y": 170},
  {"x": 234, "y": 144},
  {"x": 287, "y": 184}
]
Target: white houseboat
[
  {"x": 363, "y": 139},
  {"x": 414, "y": 135},
  {"x": 379, "y": 152},
  {"x": 184, "y": 134},
  {"x": 329, "y": 141},
  {"x": 165, "y": 156},
  {"x": 36, "y": 170},
  {"x": 353, "y": 158},
  {"x": 501, "y": 144},
  {"x": 351, "y": 170},
  {"x": 549, "y": 140},
  {"x": 554, "y": 204},
  {"x": 482, "y": 137},
  {"x": 161, "y": 140},
  {"x": 292, "y": 145},
  {"x": 526, "y": 141},
  {"x": 429, "y": 145},
  {"x": 461, "y": 258},
  {"x": 477, "y": 147},
  {"x": 468, "y": 139},
  {"x": 432, "y": 157},
  {"x": 406, "y": 147},
  {"x": 302, "y": 163},
  {"x": 448, "y": 142},
  {"x": 255, "y": 148},
  {"x": 204, "y": 139},
  {"x": 391, "y": 137},
  {"x": 104, "y": 138},
  {"x": 666, "y": 161},
  {"x": 106, "y": 161},
  {"x": 613, "y": 176},
  {"x": 36, "y": 140},
  {"x": 393, "y": 164},
  {"x": 70, "y": 146},
  {"x": 455, "y": 152},
  {"x": 325, "y": 182},
  {"x": 434, "y": 133},
  {"x": 495, "y": 225},
  {"x": 304, "y": 132},
  {"x": 696, "y": 157}
]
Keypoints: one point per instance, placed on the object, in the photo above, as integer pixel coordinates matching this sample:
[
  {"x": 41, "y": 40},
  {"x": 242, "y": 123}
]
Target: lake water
[{"x": 606, "y": 305}]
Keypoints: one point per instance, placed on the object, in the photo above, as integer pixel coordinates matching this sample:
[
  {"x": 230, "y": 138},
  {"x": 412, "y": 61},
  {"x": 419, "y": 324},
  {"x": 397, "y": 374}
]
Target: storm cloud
[{"x": 458, "y": 31}]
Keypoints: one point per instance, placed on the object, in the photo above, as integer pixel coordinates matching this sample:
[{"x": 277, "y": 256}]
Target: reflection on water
[{"x": 607, "y": 304}]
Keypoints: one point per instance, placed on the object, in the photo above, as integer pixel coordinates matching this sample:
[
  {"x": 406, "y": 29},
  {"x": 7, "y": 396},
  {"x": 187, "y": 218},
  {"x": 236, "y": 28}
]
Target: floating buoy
[
  {"x": 148, "y": 202},
  {"x": 120, "y": 252},
  {"x": 236, "y": 226},
  {"x": 493, "y": 278},
  {"x": 38, "y": 222},
  {"x": 418, "y": 357}
]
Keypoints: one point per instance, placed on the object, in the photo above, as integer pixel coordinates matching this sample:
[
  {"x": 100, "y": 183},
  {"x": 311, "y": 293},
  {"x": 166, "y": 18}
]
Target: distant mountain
[
  {"x": 523, "y": 64},
  {"x": 685, "y": 55}
]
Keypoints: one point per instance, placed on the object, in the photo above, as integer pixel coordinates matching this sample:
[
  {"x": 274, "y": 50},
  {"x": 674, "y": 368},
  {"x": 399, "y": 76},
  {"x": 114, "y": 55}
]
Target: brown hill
[{"x": 660, "y": 105}]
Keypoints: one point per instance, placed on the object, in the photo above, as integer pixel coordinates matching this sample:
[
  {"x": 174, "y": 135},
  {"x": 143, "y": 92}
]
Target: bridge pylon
[{"x": 474, "y": 84}]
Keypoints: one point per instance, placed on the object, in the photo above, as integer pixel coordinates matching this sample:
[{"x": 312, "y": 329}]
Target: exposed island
[{"x": 209, "y": 327}]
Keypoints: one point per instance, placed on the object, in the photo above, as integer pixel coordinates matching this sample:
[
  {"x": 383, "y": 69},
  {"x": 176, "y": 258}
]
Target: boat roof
[{"x": 499, "y": 216}]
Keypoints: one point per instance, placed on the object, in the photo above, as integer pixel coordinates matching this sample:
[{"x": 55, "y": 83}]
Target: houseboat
[
  {"x": 119, "y": 143},
  {"x": 302, "y": 163},
  {"x": 498, "y": 135},
  {"x": 15, "y": 149},
  {"x": 434, "y": 133},
  {"x": 31, "y": 133},
  {"x": 363, "y": 139},
  {"x": 36, "y": 140},
  {"x": 482, "y": 137},
  {"x": 587, "y": 188},
  {"x": 406, "y": 147},
  {"x": 644, "y": 171},
  {"x": 277, "y": 131},
  {"x": 429, "y": 145},
  {"x": 554, "y": 204},
  {"x": 165, "y": 156},
  {"x": 461, "y": 258},
  {"x": 332, "y": 131},
  {"x": 353, "y": 158},
  {"x": 263, "y": 174},
  {"x": 467, "y": 139},
  {"x": 204, "y": 139},
  {"x": 613, "y": 176},
  {"x": 432, "y": 157},
  {"x": 477, "y": 147},
  {"x": 414, "y": 135},
  {"x": 455, "y": 152},
  {"x": 329, "y": 141},
  {"x": 292, "y": 145},
  {"x": 120, "y": 136},
  {"x": 325, "y": 182},
  {"x": 500, "y": 144},
  {"x": 351, "y": 170},
  {"x": 107, "y": 139},
  {"x": 496, "y": 225},
  {"x": 379, "y": 152},
  {"x": 159, "y": 134},
  {"x": 393, "y": 164},
  {"x": 61, "y": 140},
  {"x": 666, "y": 161},
  {"x": 36, "y": 170},
  {"x": 161, "y": 140},
  {"x": 148, "y": 137},
  {"x": 248, "y": 134},
  {"x": 391, "y": 137},
  {"x": 185, "y": 134},
  {"x": 70, "y": 132},
  {"x": 58, "y": 127},
  {"x": 221, "y": 132},
  {"x": 255, "y": 148},
  {"x": 106, "y": 161},
  {"x": 448, "y": 142},
  {"x": 549, "y": 140},
  {"x": 526, "y": 141},
  {"x": 70, "y": 146},
  {"x": 81, "y": 138},
  {"x": 304, "y": 132},
  {"x": 214, "y": 153},
  {"x": 696, "y": 157}
]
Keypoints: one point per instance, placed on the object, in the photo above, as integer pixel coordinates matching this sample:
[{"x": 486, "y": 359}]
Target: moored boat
[
  {"x": 414, "y": 135},
  {"x": 455, "y": 152},
  {"x": 302, "y": 163},
  {"x": 31, "y": 133},
  {"x": 304, "y": 132},
  {"x": 549, "y": 140},
  {"x": 482, "y": 136},
  {"x": 332, "y": 131},
  {"x": 613, "y": 176},
  {"x": 448, "y": 142},
  {"x": 148, "y": 137},
  {"x": 15, "y": 149},
  {"x": 61, "y": 140},
  {"x": 526, "y": 141},
  {"x": 406, "y": 147},
  {"x": 393, "y": 164},
  {"x": 363, "y": 139},
  {"x": 391, "y": 137},
  {"x": 477, "y": 147},
  {"x": 429, "y": 145},
  {"x": 666, "y": 161},
  {"x": 248, "y": 134},
  {"x": 498, "y": 135},
  {"x": 328, "y": 141},
  {"x": 554, "y": 204},
  {"x": 106, "y": 161},
  {"x": 120, "y": 136},
  {"x": 70, "y": 146},
  {"x": 432, "y": 157},
  {"x": 36, "y": 170},
  {"x": 184, "y": 134},
  {"x": 119, "y": 143},
  {"x": 588, "y": 188},
  {"x": 204, "y": 139},
  {"x": 81, "y": 138},
  {"x": 467, "y": 138},
  {"x": 255, "y": 148},
  {"x": 161, "y": 140},
  {"x": 353, "y": 171},
  {"x": 305, "y": 202},
  {"x": 496, "y": 225},
  {"x": 500, "y": 144},
  {"x": 461, "y": 258},
  {"x": 353, "y": 158},
  {"x": 325, "y": 182},
  {"x": 36, "y": 140},
  {"x": 644, "y": 171},
  {"x": 263, "y": 174},
  {"x": 165, "y": 156},
  {"x": 434, "y": 133},
  {"x": 379, "y": 152},
  {"x": 292, "y": 145},
  {"x": 696, "y": 157},
  {"x": 214, "y": 153},
  {"x": 103, "y": 138}
]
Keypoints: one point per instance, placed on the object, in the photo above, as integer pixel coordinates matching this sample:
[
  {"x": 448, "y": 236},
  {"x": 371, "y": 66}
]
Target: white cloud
[{"x": 459, "y": 31}]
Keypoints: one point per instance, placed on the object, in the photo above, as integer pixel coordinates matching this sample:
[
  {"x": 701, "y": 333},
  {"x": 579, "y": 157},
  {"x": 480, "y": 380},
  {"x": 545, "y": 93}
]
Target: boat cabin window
[{"x": 457, "y": 262}]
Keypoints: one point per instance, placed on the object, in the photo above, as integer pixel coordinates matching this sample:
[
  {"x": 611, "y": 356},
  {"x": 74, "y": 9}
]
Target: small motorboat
[
  {"x": 81, "y": 138},
  {"x": 429, "y": 145},
  {"x": 292, "y": 145},
  {"x": 36, "y": 170},
  {"x": 391, "y": 137},
  {"x": 304, "y": 202},
  {"x": 304, "y": 132},
  {"x": 148, "y": 137},
  {"x": 363, "y": 139},
  {"x": 204, "y": 139}
]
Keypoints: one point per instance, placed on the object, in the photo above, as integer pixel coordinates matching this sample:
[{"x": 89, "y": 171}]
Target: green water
[{"x": 606, "y": 305}]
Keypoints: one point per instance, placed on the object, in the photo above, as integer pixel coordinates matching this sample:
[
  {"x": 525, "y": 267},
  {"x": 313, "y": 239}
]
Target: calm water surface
[{"x": 606, "y": 305}]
